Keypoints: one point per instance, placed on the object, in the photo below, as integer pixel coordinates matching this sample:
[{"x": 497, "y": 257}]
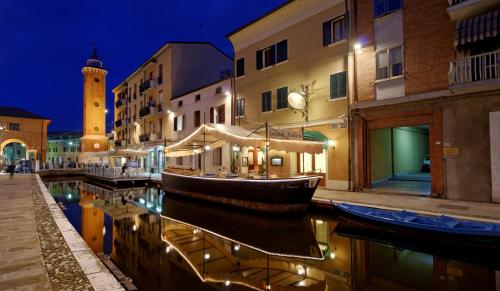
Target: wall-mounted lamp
[
  {"x": 357, "y": 46},
  {"x": 332, "y": 143}
]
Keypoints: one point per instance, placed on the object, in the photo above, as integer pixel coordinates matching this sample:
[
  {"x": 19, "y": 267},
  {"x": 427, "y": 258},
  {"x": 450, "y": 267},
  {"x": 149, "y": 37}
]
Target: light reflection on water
[{"x": 164, "y": 243}]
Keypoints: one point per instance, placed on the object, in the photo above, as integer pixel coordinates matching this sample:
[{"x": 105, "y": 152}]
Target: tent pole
[
  {"x": 204, "y": 143},
  {"x": 303, "y": 155},
  {"x": 267, "y": 153}
]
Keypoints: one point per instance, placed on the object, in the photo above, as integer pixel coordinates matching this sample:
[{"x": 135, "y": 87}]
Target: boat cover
[{"x": 216, "y": 135}]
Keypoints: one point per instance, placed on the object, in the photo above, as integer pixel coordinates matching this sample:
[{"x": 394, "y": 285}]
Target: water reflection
[{"x": 169, "y": 244}]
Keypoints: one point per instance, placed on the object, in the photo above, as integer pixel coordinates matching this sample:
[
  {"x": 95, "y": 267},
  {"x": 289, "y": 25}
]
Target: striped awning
[{"x": 477, "y": 28}]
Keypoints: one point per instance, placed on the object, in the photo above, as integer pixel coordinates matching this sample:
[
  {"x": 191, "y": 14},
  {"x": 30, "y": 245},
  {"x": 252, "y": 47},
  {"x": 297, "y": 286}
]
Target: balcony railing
[
  {"x": 119, "y": 142},
  {"x": 120, "y": 102},
  {"x": 144, "y": 137},
  {"x": 148, "y": 84},
  {"x": 475, "y": 68},
  {"x": 455, "y": 2},
  {"x": 144, "y": 111}
]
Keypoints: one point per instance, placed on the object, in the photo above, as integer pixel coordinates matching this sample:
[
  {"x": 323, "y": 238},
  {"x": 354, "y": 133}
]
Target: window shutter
[
  {"x": 346, "y": 24},
  {"x": 183, "y": 121},
  {"x": 327, "y": 33},
  {"x": 341, "y": 91},
  {"x": 259, "y": 60},
  {"x": 175, "y": 123},
  {"x": 273, "y": 55},
  {"x": 282, "y": 48},
  {"x": 211, "y": 115},
  {"x": 222, "y": 113},
  {"x": 333, "y": 86}
]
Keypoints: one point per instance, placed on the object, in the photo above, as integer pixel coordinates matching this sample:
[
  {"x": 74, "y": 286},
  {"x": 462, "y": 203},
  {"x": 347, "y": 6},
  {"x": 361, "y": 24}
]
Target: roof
[
  {"x": 64, "y": 134},
  {"x": 259, "y": 18},
  {"x": 162, "y": 47},
  {"x": 18, "y": 112}
]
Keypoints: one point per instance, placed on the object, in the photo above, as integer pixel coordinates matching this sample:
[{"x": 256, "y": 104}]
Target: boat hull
[
  {"x": 437, "y": 224},
  {"x": 276, "y": 195}
]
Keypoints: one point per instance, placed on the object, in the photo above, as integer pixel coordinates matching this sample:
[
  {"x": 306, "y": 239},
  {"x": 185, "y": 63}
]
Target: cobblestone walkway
[
  {"x": 63, "y": 270},
  {"x": 31, "y": 257}
]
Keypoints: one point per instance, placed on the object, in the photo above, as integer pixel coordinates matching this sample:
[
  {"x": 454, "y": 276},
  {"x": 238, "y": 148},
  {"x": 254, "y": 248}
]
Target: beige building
[
  {"x": 299, "y": 47},
  {"x": 63, "y": 147},
  {"x": 142, "y": 100},
  {"x": 23, "y": 136},
  {"x": 94, "y": 108},
  {"x": 210, "y": 104}
]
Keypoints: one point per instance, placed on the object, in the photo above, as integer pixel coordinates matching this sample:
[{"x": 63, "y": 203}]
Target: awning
[
  {"x": 477, "y": 28},
  {"x": 217, "y": 135}
]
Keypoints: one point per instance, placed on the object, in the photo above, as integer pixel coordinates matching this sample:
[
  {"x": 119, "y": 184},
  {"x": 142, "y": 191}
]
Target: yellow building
[
  {"x": 299, "y": 47},
  {"x": 23, "y": 136},
  {"x": 142, "y": 100},
  {"x": 94, "y": 108}
]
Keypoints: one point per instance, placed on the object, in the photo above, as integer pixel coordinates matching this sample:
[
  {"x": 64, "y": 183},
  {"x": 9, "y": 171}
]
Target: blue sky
[{"x": 45, "y": 44}]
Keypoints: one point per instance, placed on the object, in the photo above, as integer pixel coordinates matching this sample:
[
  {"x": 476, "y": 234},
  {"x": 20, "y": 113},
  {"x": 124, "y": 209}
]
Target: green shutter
[
  {"x": 342, "y": 84},
  {"x": 338, "y": 85}
]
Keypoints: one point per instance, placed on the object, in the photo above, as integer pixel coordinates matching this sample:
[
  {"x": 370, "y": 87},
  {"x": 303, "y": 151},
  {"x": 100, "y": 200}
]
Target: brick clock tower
[{"x": 94, "y": 109}]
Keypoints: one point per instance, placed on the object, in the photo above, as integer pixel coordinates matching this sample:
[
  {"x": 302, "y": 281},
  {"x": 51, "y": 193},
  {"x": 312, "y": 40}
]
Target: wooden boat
[
  {"x": 263, "y": 194},
  {"x": 269, "y": 195},
  {"x": 407, "y": 219}
]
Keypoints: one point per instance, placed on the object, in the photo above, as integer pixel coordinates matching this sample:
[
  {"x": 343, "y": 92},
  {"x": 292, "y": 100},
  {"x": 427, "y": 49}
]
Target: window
[
  {"x": 274, "y": 54},
  {"x": 179, "y": 103},
  {"x": 135, "y": 91},
  {"x": 266, "y": 101},
  {"x": 282, "y": 98},
  {"x": 389, "y": 63},
  {"x": 221, "y": 113},
  {"x": 197, "y": 118},
  {"x": 218, "y": 90},
  {"x": 14, "y": 126},
  {"x": 212, "y": 113},
  {"x": 384, "y": 7},
  {"x": 160, "y": 74},
  {"x": 217, "y": 153},
  {"x": 338, "y": 85},
  {"x": 240, "y": 107},
  {"x": 178, "y": 161},
  {"x": 240, "y": 67},
  {"x": 197, "y": 97},
  {"x": 334, "y": 30},
  {"x": 179, "y": 123}
]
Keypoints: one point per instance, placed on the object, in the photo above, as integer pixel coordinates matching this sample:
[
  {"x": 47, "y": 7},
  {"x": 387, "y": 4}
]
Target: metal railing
[
  {"x": 455, "y": 2},
  {"x": 475, "y": 68},
  {"x": 115, "y": 172}
]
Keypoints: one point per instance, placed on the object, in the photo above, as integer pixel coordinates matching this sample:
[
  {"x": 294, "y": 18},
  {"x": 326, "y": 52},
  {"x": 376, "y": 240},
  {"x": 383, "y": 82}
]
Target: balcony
[
  {"x": 148, "y": 84},
  {"x": 481, "y": 70},
  {"x": 119, "y": 142},
  {"x": 122, "y": 101},
  {"x": 144, "y": 137},
  {"x": 461, "y": 9},
  {"x": 144, "y": 111}
]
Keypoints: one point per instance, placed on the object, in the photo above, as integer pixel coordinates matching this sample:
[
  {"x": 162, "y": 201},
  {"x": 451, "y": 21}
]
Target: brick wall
[
  {"x": 365, "y": 61},
  {"x": 428, "y": 45}
]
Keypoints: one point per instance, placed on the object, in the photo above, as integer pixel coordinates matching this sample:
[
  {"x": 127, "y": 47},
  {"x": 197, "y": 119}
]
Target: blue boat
[{"x": 407, "y": 219}]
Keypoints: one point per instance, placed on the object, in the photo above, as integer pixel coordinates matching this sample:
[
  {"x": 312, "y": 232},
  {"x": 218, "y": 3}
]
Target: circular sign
[{"x": 296, "y": 100}]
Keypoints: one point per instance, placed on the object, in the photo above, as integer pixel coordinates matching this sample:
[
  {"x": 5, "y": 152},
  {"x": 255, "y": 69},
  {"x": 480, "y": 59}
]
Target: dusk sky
[{"x": 45, "y": 44}]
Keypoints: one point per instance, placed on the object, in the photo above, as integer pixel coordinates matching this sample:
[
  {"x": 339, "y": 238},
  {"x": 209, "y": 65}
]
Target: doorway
[{"x": 400, "y": 159}]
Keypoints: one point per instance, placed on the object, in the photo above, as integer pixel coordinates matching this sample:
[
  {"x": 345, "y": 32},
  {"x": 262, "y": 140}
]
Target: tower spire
[{"x": 94, "y": 60}]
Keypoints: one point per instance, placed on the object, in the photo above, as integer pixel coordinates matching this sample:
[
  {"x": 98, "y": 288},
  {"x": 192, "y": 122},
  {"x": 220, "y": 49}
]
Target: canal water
[{"x": 164, "y": 243}]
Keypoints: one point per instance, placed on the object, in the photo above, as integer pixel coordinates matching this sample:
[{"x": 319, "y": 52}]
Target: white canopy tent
[{"x": 216, "y": 135}]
